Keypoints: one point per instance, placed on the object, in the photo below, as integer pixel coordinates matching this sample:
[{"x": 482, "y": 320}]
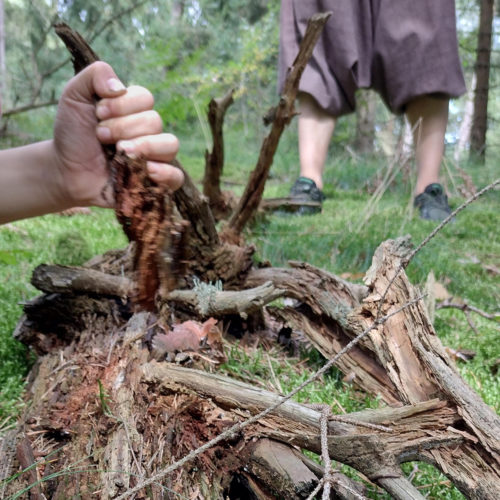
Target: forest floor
[{"x": 464, "y": 258}]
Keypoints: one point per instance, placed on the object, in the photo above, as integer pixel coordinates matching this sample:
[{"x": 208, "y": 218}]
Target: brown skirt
[{"x": 401, "y": 48}]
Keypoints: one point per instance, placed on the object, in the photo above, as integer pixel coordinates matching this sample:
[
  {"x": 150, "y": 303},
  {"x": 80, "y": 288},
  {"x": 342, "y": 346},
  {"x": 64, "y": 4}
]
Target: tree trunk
[
  {"x": 482, "y": 70},
  {"x": 464, "y": 134},
  {"x": 366, "y": 102},
  {"x": 3, "y": 66}
]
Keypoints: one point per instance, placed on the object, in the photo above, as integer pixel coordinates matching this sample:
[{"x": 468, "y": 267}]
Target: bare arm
[{"x": 70, "y": 170}]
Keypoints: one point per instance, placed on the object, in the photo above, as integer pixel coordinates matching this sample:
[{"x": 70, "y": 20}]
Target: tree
[
  {"x": 482, "y": 69},
  {"x": 366, "y": 102}
]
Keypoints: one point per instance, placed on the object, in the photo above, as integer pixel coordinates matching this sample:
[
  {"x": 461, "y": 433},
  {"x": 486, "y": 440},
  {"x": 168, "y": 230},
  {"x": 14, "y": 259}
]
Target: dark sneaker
[
  {"x": 305, "y": 190},
  {"x": 433, "y": 203}
]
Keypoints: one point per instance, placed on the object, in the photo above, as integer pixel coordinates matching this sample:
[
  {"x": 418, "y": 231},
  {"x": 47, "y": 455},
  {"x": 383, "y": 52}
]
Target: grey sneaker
[
  {"x": 305, "y": 190},
  {"x": 433, "y": 203}
]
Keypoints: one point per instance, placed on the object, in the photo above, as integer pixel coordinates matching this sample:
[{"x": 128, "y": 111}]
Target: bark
[
  {"x": 365, "y": 121},
  {"x": 206, "y": 253},
  {"x": 220, "y": 204},
  {"x": 482, "y": 70},
  {"x": 464, "y": 133}
]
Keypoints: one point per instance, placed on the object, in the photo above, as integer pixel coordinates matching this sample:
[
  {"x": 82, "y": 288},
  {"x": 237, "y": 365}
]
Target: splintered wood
[
  {"x": 145, "y": 211},
  {"x": 143, "y": 207}
]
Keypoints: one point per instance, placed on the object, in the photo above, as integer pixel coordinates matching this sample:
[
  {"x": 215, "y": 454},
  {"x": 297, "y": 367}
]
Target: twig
[
  {"x": 468, "y": 308},
  {"x": 29, "y": 107},
  {"x": 407, "y": 260},
  {"x": 273, "y": 375},
  {"x": 242, "y": 425}
]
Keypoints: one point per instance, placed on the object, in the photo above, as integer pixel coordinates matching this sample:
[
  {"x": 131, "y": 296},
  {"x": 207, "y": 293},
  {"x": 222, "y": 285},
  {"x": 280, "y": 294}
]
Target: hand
[{"x": 122, "y": 116}]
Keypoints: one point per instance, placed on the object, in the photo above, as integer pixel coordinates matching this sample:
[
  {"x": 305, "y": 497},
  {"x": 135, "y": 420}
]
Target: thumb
[{"x": 97, "y": 79}]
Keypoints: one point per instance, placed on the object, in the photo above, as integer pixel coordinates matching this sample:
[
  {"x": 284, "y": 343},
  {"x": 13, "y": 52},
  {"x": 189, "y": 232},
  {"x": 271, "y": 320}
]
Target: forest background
[{"x": 188, "y": 51}]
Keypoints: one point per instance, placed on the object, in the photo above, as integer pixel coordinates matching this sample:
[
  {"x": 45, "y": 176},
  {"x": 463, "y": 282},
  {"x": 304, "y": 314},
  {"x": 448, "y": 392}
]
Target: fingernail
[
  {"x": 128, "y": 147},
  {"x": 103, "y": 133},
  {"x": 115, "y": 85},
  {"x": 102, "y": 112}
]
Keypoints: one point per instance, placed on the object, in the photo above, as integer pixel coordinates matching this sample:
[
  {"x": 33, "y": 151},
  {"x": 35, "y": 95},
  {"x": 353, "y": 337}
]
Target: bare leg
[
  {"x": 428, "y": 117},
  {"x": 315, "y": 131}
]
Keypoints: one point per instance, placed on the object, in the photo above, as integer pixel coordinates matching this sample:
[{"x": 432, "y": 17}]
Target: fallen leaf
[{"x": 491, "y": 269}]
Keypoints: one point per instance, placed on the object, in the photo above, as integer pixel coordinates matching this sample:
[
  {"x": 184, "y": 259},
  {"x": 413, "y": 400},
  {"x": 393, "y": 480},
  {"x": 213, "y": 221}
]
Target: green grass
[{"x": 342, "y": 240}]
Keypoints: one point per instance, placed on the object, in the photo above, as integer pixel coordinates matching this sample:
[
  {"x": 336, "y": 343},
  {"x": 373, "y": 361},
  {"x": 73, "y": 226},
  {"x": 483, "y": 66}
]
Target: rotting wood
[
  {"x": 407, "y": 352},
  {"x": 443, "y": 436},
  {"x": 282, "y": 472},
  {"x": 143, "y": 207},
  {"x": 416, "y": 428},
  {"x": 65, "y": 279}
]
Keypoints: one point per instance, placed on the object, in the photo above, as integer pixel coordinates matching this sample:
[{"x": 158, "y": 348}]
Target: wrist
[{"x": 31, "y": 182}]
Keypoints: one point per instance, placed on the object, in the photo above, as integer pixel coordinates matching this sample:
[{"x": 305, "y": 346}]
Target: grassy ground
[{"x": 465, "y": 258}]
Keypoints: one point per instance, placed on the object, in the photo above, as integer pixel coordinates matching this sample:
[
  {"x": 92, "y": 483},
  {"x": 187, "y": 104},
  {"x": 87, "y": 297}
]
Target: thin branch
[
  {"x": 242, "y": 425},
  {"x": 96, "y": 33},
  {"x": 29, "y": 107},
  {"x": 466, "y": 308}
]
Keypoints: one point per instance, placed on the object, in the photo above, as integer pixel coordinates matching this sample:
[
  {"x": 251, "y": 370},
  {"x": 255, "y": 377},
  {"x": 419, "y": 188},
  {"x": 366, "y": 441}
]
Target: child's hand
[{"x": 96, "y": 108}]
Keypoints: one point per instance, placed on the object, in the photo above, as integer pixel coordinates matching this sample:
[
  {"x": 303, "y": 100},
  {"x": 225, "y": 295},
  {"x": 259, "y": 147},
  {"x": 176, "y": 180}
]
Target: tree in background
[
  {"x": 482, "y": 70},
  {"x": 366, "y": 103}
]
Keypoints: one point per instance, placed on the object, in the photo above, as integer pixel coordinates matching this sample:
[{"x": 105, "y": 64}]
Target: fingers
[
  {"x": 98, "y": 78},
  {"x": 168, "y": 175},
  {"x": 126, "y": 117},
  {"x": 135, "y": 100},
  {"x": 159, "y": 147},
  {"x": 129, "y": 127}
]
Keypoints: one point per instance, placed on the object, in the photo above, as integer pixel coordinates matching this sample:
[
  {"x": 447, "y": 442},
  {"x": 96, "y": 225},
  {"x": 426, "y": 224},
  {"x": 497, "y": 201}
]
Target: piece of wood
[
  {"x": 251, "y": 198},
  {"x": 143, "y": 207},
  {"x": 83, "y": 280},
  {"x": 214, "y": 160},
  {"x": 402, "y": 361},
  {"x": 286, "y": 204},
  {"x": 447, "y": 433},
  {"x": 65, "y": 279},
  {"x": 278, "y": 467}
]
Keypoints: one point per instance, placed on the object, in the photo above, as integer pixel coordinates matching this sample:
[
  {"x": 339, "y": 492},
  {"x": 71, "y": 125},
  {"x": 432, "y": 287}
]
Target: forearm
[{"x": 28, "y": 182}]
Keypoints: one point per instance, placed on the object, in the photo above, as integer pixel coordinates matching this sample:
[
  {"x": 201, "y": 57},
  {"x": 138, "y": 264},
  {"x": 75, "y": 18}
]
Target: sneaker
[
  {"x": 433, "y": 203},
  {"x": 305, "y": 190}
]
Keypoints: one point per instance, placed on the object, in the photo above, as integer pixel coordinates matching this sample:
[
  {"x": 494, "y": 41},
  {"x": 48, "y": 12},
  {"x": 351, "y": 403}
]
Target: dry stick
[
  {"x": 242, "y": 425},
  {"x": 406, "y": 261},
  {"x": 284, "y": 112},
  {"x": 214, "y": 160},
  {"x": 327, "y": 479},
  {"x": 465, "y": 308}
]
